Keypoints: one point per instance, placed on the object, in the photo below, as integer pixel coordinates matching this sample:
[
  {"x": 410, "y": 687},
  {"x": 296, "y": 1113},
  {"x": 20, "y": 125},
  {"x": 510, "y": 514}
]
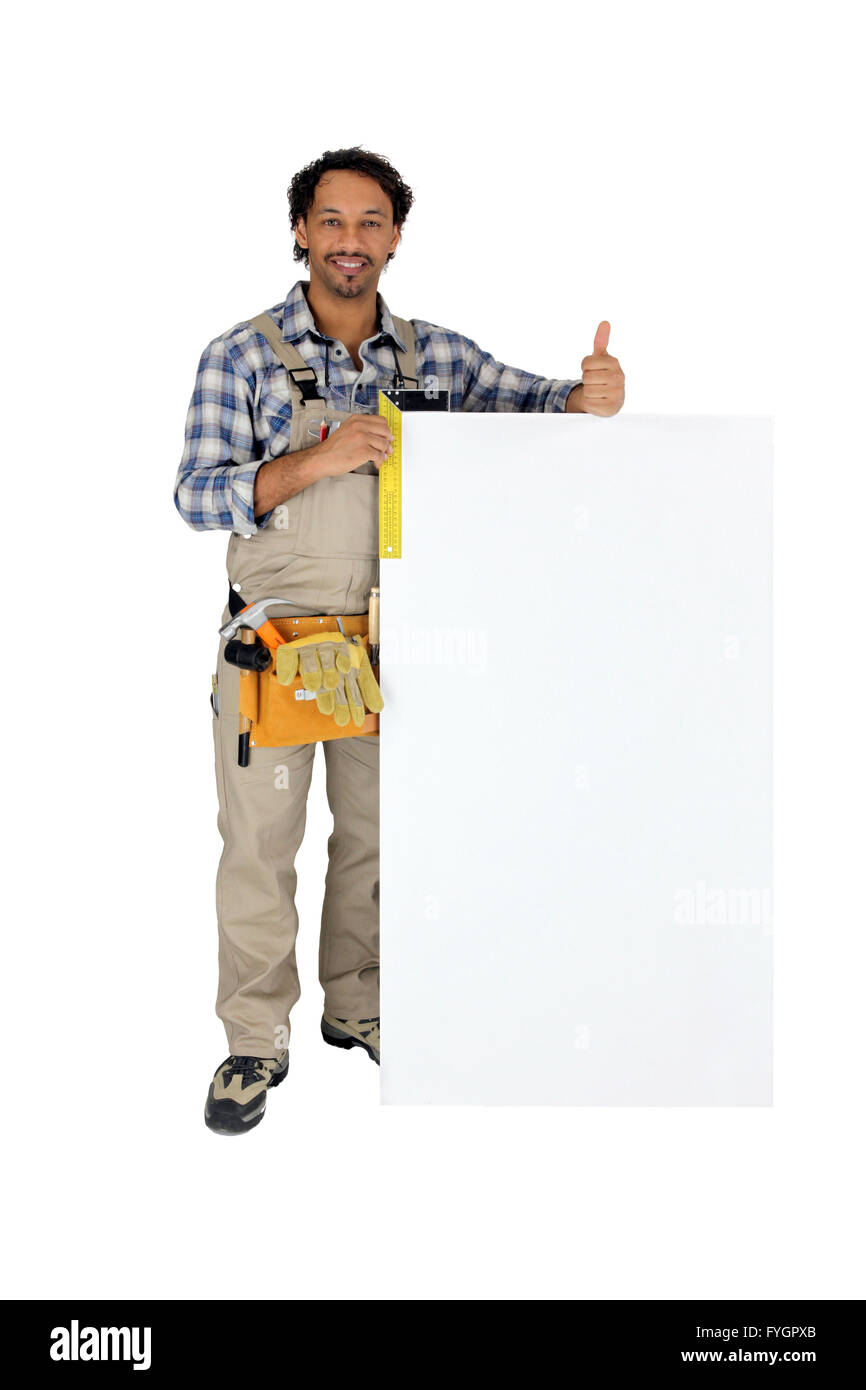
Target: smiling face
[{"x": 348, "y": 232}]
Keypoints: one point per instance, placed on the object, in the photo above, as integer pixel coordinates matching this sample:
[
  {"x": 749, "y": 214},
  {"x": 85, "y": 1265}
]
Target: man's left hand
[{"x": 603, "y": 390}]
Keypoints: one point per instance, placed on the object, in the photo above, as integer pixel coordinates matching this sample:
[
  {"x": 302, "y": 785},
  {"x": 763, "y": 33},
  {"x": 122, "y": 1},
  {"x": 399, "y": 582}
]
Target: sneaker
[
  {"x": 237, "y": 1095},
  {"x": 352, "y": 1032}
]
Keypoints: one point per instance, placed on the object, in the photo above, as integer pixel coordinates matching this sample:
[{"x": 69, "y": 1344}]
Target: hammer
[{"x": 255, "y": 617}]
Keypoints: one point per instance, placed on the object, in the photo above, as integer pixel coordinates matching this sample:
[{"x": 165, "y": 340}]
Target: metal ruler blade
[{"x": 391, "y": 486}]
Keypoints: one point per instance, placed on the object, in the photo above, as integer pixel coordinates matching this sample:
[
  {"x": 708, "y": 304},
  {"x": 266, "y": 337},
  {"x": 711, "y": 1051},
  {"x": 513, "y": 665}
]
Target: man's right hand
[{"x": 360, "y": 439}]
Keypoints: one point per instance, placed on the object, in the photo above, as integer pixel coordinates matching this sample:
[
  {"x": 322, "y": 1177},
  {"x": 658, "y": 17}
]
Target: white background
[{"x": 690, "y": 172}]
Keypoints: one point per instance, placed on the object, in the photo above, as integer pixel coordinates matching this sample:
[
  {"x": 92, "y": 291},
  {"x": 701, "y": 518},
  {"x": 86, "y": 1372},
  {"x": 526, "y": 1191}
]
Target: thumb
[{"x": 602, "y": 337}]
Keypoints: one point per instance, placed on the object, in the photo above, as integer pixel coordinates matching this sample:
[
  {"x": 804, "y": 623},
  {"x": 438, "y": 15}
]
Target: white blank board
[{"x": 576, "y": 763}]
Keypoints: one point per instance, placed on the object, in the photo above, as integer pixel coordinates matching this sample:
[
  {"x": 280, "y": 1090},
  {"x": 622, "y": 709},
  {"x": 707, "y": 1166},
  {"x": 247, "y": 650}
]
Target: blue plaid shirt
[{"x": 241, "y": 411}]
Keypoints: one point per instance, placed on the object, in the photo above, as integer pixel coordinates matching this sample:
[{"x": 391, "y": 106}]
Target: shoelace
[
  {"x": 371, "y": 1034},
  {"x": 249, "y": 1068}
]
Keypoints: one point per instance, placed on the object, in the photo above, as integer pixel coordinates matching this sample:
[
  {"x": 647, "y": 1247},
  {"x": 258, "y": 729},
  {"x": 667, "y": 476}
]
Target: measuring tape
[{"x": 390, "y": 486}]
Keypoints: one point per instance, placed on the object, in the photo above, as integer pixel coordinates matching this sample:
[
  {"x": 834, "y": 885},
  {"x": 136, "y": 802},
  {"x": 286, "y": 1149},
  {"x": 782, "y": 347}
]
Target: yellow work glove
[{"x": 336, "y": 671}]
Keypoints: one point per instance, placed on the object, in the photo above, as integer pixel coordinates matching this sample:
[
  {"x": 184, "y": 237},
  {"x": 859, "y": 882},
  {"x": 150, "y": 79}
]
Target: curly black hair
[{"x": 302, "y": 189}]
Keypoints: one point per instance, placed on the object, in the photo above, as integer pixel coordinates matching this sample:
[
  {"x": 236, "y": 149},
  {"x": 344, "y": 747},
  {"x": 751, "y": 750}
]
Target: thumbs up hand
[{"x": 603, "y": 379}]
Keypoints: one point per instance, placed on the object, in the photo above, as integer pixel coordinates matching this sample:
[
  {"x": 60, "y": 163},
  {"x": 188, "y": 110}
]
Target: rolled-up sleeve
[
  {"x": 491, "y": 385},
  {"x": 217, "y": 473}
]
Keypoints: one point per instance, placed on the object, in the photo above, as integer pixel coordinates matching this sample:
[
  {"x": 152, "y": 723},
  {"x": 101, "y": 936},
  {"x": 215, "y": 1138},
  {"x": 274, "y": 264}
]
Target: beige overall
[{"x": 319, "y": 550}]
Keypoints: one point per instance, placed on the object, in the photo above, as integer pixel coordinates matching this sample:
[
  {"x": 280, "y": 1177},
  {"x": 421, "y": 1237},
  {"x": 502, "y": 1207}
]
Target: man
[{"x": 283, "y": 447}]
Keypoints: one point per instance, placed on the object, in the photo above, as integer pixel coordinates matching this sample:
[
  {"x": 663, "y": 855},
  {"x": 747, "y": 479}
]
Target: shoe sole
[
  {"x": 232, "y": 1121},
  {"x": 335, "y": 1039}
]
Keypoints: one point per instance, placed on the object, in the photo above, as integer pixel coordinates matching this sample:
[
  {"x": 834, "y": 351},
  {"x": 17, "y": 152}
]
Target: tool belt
[{"x": 288, "y": 714}]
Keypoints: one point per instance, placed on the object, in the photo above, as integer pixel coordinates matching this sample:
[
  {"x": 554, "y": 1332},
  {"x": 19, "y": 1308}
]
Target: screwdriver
[
  {"x": 248, "y": 637},
  {"x": 373, "y": 625}
]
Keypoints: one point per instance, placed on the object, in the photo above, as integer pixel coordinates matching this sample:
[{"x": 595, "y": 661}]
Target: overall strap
[
  {"x": 287, "y": 352},
  {"x": 303, "y": 389},
  {"x": 407, "y": 358}
]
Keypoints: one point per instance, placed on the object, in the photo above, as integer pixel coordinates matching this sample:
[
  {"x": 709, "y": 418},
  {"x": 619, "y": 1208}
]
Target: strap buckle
[{"x": 309, "y": 390}]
